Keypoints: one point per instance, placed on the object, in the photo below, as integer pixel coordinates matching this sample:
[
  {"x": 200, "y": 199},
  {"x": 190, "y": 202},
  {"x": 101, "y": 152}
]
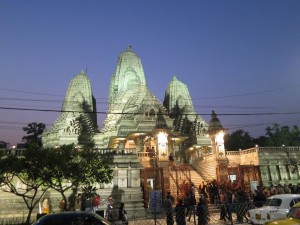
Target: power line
[
  {"x": 214, "y": 97},
  {"x": 250, "y": 93},
  {"x": 141, "y": 113},
  {"x": 116, "y": 103}
]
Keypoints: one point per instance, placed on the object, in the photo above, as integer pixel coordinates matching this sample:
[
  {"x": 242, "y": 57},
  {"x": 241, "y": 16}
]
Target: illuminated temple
[
  {"x": 157, "y": 145},
  {"x": 145, "y": 135},
  {"x": 160, "y": 143}
]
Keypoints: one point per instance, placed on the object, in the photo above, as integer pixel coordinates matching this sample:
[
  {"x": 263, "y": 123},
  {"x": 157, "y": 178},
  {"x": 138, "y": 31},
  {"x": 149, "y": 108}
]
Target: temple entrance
[
  {"x": 243, "y": 175},
  {"x": 152, "y": 179},
  {"x": 248, "y": 173}
]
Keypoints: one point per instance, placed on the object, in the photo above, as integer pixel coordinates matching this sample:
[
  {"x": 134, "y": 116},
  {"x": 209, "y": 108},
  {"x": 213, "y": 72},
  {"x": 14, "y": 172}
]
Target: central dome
[{"x": 129, "y": 74}]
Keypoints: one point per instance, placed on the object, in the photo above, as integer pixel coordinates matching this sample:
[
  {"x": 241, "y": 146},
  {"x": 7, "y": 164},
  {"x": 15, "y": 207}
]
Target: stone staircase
[
  {"x": 206, "y": 168},
  {"x": 189, "y": 175},
  {"x": 196, "y": 179}
]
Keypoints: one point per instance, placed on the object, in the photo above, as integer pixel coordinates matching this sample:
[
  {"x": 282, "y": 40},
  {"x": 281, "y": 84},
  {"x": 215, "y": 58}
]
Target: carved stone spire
[
  {"x": 129, "y": 74},
  {"x": 177, "y": 97},
  {"x": 214, "y": 124},
  {"x": 78, "y": 121}
]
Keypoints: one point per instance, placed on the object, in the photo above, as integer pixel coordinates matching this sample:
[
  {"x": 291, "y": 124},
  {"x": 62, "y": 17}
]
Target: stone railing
[
  {"x": 114, "y": 151},
  {"x": 125, "y": 151},
  {"x": 283, "y": 148},
  {"x": 241, "y": 152},
  {"x": 14, "y": 151},
  {"x": 146, "y": 154},
  {"x": 264, "y": 149},
  {"x": 233, "y": 153},
  {"x": 249, "y": 150}
]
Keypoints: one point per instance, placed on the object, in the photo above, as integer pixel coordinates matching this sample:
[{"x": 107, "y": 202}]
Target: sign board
[
  {"x": 155, "y": 199},
  {"x": 253, "y": 185}
]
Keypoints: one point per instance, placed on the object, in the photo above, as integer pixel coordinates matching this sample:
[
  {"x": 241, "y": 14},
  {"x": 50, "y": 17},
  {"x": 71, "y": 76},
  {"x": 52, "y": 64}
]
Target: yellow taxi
[{"x": 292, "y": 218}]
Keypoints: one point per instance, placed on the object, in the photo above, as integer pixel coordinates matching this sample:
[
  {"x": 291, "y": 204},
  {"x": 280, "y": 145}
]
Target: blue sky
[{"x": 236, "y": 57}]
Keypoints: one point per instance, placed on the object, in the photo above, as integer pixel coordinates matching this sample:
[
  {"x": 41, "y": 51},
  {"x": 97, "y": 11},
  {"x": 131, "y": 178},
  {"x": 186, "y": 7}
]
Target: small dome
[
  {"x": 214, "y": 124},
  {"x": 161, "y": 121}
]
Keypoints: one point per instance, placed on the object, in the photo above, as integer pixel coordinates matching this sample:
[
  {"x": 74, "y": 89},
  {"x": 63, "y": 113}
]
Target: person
[
  {"x": 45, "y": 206},
  {"x": 215, "y": 193},
  {"x": 171, "y": 157},
  {"x": 72, "y": 199},
  {"x": 224, "y": 204},
  {"x": 62, "y": 205},
  {"x": 258, "y": 198},
  {"x": 96, "y": 202},
  {"x": 168, "y": 210},
  {"x": 88, "y": 204},
  {"x": 109, "y": 207},
  {"x": 186, "y": 202},
  {"x": 180, "y": 213},
  {"x": 171, "y": 197},
  {"x": 78, "y": 200},
  {"x": 202, "y": 211},
  {"x": 123, "y": 214},
  {"x": 192, "y": 204}
]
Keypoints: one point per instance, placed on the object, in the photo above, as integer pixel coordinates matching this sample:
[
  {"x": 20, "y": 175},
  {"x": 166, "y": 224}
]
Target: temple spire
[{"x": 129, "y": 74}]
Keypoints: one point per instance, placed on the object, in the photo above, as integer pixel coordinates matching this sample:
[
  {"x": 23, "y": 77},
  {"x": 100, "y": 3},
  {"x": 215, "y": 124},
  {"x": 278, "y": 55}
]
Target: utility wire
[
  {"x": 251, "y": 93},
  {"x": 116, "y": 103},
  {"x": 214, "y": 97},
  {"x": 137, "y": 113}
]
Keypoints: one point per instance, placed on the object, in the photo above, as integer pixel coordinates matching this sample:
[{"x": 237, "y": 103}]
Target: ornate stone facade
[
  {"x": 145, "y": 134},
  {"x": 136, "y": 124},
  {"x": 78, "y": 121}
]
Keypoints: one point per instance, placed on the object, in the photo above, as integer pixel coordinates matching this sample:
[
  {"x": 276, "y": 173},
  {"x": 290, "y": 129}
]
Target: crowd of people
[
  {"x": 229, "y": 197},
  {"x": 88, "y": 202}
]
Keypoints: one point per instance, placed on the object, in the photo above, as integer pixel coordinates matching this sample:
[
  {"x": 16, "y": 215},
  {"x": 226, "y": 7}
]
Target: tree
[
  {"x": 61, "y": 169},
  {"x": 239, "y": 139},
  {"x": 261, "y": 141},
  {"x": 34, "y": 131},
  {"x": 24, "y": 170},
  {"x": 71, "y": 167},
  {"x": 281, "y": 135}
]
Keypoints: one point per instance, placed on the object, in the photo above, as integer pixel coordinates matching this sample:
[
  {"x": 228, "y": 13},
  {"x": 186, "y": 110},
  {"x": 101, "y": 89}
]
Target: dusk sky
[{"x": 236, "y": 57}]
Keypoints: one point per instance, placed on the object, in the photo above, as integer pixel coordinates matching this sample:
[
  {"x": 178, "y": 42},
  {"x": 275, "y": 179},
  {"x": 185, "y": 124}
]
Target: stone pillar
[
  {"x": 129, "y": 176},
  {"x": 297, "y": 171},
  {"x": 283, "y": 172},
  {"x": 274, "y": 172},
  {"x": 269, "y": 173},
  {"x": 122, "y": 178},
  {"x": 264, "y": 173}
]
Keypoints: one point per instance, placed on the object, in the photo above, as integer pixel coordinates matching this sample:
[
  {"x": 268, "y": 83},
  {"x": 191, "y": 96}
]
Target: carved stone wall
[{"x": 278, "y": 165}]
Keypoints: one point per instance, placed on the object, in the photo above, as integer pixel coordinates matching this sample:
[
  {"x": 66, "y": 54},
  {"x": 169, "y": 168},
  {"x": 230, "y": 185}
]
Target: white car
[{"x": 276, "y": 207}]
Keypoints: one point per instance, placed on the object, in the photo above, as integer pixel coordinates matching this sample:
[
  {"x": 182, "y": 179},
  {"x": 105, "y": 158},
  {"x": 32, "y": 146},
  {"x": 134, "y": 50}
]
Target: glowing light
[
  {"x": 220, "y": 137},
  {"x": 162, "y": 138}
]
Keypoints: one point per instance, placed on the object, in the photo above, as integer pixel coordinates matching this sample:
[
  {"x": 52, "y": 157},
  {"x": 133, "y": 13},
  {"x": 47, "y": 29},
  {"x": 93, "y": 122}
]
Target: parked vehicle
[
  {"x": 293, "y": 217},
  {"x": 72, "y": 218},
  {"x": 276, "y": 207}
]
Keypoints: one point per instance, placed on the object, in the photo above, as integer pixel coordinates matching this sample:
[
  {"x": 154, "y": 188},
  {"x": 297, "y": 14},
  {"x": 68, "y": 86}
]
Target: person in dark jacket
[
  {"x": 123, "y": 214},
  {"x": 202, "y": 211},
  {"x": 180, "y": 213},
  {"x": 167, "y": 204}
]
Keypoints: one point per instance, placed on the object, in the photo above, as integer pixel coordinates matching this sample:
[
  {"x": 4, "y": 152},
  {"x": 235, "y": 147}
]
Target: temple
[
  {"x": 78, "y": 121},
  {"x": 154, "y": 143},
  {"x": 144, "y": 133},
  {"x": 156, "y": 146}
]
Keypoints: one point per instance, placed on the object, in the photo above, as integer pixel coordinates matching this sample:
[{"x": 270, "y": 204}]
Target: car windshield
[
  {"x": 273, "y": 202},
  {"x": 294, "y": 213}
]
